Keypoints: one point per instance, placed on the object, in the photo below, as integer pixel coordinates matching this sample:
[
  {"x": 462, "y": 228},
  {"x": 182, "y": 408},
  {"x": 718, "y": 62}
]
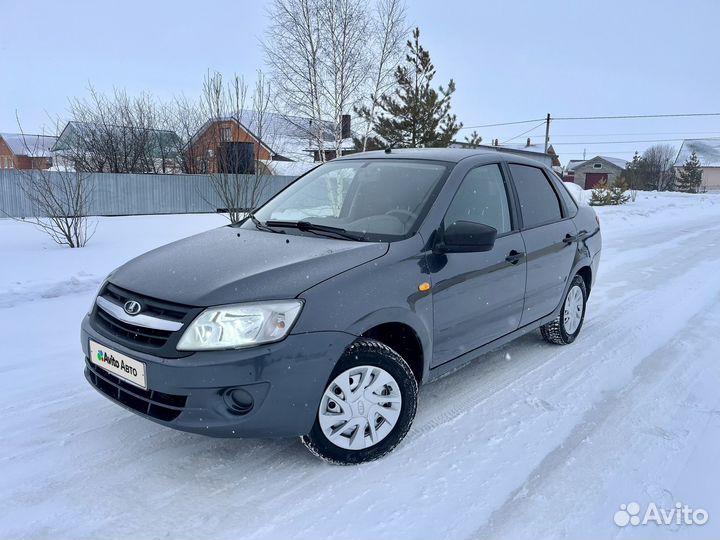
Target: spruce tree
[
  {"x": 600, "y": 195},
  {"x": 473, "y": 140},
  {"x": 633, "y": 173},
  {"x": 604, "y": 195},
  {"x": 416, "y": 115},
  {"x": 690, "y": 176},
  {"x": 618, "y": 191}
]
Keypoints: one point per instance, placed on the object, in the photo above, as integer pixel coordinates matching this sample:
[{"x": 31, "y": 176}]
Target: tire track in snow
[{"x": 657, "y": 367}]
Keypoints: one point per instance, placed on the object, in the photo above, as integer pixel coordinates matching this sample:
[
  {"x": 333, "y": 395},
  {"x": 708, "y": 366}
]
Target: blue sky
[{"x": 510, "y": 60}]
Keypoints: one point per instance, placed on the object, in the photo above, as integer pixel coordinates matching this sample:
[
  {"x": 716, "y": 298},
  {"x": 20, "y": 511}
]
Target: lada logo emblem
[{"x": 132, "y": 307}]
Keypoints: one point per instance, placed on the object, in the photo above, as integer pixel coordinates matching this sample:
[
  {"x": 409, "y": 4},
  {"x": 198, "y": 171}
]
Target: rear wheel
[
  {"x": 566, "y": 327},
  {"x": 367, "y": 407}
]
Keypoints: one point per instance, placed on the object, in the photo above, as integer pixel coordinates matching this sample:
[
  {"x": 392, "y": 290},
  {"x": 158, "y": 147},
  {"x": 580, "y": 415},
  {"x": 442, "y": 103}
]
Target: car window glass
[
  {"x": 323, "y": 197},
  {"x": 482, "y": 198},
  {"x": 386, "y": 198},
  {"x": 570, "y": 203},
  {"x": 538, "y": 201}
]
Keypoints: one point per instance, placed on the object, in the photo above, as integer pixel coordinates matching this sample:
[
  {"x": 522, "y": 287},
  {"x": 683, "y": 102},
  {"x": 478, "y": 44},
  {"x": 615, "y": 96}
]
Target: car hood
[{"x": 232, "y": 265}]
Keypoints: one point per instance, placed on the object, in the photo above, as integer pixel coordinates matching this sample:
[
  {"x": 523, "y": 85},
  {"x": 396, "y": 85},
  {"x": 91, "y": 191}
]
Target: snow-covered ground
[{"x": 531, "y": 440}]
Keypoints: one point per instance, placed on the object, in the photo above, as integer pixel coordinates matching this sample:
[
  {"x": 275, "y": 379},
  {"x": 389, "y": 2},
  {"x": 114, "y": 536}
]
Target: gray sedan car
[{"x": 320, "y": 314}]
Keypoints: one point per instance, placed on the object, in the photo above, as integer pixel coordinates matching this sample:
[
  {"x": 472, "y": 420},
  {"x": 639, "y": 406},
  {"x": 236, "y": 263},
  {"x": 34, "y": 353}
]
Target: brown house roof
[{"x": 23, "y": 144}]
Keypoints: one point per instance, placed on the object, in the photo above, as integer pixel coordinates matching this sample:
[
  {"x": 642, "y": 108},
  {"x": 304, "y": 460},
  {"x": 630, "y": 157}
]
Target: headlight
[{"x": 240, "y": 325}]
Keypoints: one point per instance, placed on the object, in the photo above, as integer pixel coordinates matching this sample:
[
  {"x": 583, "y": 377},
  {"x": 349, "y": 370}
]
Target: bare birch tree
[
  {"x": 388, "y": 38},
  {"x": 324, "y": 59},
  {"x": 293, "y": 49},
  {"x": 346, "y": 24}
]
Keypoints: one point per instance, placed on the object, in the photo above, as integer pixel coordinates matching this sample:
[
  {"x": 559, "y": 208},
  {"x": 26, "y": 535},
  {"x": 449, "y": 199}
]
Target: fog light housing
[{"x": 239, "y": 401}]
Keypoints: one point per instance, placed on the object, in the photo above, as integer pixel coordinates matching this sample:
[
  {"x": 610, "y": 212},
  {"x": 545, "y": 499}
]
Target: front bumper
[{"x": 285, "y": 379}]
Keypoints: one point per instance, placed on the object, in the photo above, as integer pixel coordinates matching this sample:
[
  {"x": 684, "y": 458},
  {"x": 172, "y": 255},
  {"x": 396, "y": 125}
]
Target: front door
[{"x": 478, "y": 297}]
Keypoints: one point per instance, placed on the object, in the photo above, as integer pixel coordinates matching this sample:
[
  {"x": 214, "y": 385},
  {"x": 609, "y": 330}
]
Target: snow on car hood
[{"x": 230, "y": 265}]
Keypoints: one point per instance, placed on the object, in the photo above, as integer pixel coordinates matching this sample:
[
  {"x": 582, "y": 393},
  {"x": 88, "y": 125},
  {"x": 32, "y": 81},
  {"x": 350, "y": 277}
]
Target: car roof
[{"x": 452, "y": 155}]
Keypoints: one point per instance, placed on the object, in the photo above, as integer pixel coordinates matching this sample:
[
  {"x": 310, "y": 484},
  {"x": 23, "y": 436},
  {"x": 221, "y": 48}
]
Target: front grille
[
  {"x": 150, "y": 340},
  {"x": 129, "y": 332},
  {"x": 150, "y": 306},
  {"x": 152, "y": 403}
]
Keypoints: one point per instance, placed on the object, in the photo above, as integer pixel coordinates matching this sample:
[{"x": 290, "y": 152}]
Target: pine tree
[
  {"x": 473, "y": 140},
  {"x": 604, "y": 195},
  {"x": 617, "y": 192},
  {"x": 416, "y": 115},
  {"x": 600, "y": 195},
  {"x": 690, "y": 176}
]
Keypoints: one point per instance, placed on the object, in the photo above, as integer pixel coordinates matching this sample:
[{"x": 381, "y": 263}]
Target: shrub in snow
[
  {"x": 60, "y": 200},
  {"x": 604, "y": 195}
]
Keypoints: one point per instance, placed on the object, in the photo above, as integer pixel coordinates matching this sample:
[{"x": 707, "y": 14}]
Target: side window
[
  {"x": 482, "y": 198},
  {"x": 538, "y": 201},
  {"x": 570, "y": 204}
]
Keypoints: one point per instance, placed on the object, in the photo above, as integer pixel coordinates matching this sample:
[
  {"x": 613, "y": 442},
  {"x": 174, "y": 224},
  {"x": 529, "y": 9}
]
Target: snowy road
[{"x": 531, "y": 440}]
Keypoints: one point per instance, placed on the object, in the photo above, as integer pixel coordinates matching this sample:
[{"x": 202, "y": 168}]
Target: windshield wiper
[
  {"x": 260, "y": 226},
  {"x": 316, "y": 228}
]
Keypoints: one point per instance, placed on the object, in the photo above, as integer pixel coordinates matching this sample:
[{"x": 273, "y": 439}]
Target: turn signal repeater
[{"x": 424, "y": 286}]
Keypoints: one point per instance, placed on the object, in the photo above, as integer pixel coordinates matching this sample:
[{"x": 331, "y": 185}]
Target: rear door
[
  {"x": 478, "y": 297},
  {"x": 546, "y": 228}
]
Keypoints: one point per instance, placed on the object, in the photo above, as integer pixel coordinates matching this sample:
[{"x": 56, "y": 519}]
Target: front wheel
[
  {"x": 566, "y": 327},
  {"x": 367, "y": 407}
]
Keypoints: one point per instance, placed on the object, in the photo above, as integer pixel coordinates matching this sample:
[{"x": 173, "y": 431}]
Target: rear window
[
  {"x": 539, "y": 202},
  {"x": 565, "y": 195}
]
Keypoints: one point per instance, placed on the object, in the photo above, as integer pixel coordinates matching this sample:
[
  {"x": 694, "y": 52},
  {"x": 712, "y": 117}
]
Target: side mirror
[{"x": 467, "y": 237}]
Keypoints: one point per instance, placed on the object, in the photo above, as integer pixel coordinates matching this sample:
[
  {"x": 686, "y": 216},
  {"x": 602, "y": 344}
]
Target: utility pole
[{"x": 547, "y": 132}]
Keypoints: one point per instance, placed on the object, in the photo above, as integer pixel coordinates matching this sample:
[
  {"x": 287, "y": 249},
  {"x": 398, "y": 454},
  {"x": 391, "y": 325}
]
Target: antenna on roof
[{"x": 390, "y": 146}]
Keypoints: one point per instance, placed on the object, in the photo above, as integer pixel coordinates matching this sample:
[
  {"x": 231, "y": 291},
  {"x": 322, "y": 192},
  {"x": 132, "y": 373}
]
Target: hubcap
[
  {"x": 572, "y": 314},
  {"x": 360, "y": 407}
]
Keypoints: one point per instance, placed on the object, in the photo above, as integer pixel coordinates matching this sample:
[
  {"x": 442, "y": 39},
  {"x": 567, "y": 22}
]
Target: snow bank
[{"x": 35, "y": 267}]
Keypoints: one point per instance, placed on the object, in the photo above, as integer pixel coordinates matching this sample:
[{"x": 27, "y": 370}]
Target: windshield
[{"x": 380, "y": 199}]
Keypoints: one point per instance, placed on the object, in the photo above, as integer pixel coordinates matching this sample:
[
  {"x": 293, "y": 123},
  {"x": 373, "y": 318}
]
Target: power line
[
  {"x": 504, "y": 123},
  {"x": 619, "y": 142},
  {"x": 523, "y": 133},
  {"x": 631, "y": 116},
  {"x": 608, "y": 117},
  {"x": 600, "y": 152},
  {"x": 685, "y": 133}
]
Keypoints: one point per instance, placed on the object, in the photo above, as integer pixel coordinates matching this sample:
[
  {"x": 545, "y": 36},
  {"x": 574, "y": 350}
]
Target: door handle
[
  {"x": 514, "y": 257},
  {"x": 569, "y": 239}
]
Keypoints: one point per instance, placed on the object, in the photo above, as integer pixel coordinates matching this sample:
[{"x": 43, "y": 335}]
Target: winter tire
[
  {"x": 367, "y": 406},
  {"x": 566, "y": 327}
]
